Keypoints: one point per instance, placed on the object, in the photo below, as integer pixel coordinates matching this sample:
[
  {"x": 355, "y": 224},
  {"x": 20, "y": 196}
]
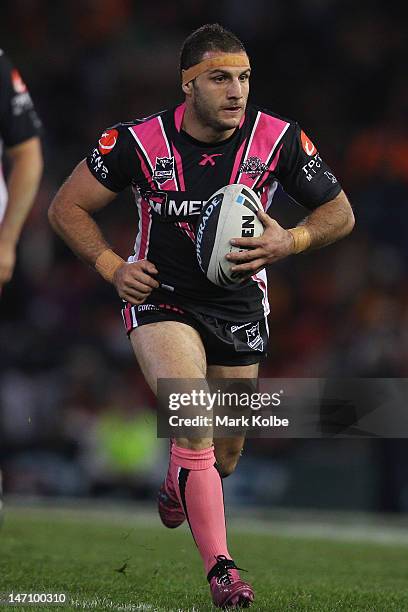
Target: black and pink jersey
[
  {"x": 18, "y": 119},
  {"x": 172, "y": 176}
]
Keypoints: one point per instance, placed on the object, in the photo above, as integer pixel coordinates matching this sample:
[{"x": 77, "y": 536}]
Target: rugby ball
[{"x": 231, "y": 212}]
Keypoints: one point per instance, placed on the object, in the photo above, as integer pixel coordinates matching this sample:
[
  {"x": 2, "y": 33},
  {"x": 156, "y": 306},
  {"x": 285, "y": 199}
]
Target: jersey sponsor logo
[
  {"x": 164, "y": 169},
  {"x": 21, "y": 103},
  {"x": 162, "y": 204},
  {"x": 253, "y": 166},
  {"x": 209, "y": 159},
  {"x": 18, "y": 84},
  {"x": 185, "y": 208},
  {"x": 307, "y": 144},
  {"x": 156, "y": 200},
  {"x": 331, "y": 177},
  {"x": 97, "y": 164},
  {"x": 107, "y": 141},
  {"x": 312, "y": 167}
]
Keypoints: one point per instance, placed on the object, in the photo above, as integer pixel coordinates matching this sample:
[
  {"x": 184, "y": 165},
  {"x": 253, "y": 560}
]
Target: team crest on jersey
[
  {"x": 164, "y": 169},
  {"x": 254, "y": 338},
  {"x": 253, "y": 166}
]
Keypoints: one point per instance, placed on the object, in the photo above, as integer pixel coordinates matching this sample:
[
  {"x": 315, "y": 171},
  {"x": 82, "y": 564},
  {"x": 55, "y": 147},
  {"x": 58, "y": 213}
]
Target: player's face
[{"x": 219, "y": 96}]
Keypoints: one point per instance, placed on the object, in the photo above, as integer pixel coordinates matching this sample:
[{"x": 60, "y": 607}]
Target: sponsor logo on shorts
[
  {"x": 307, "y": 144},
  {"x": 253, "y": 166},
  {"x": 254, "y": 338},
  {"x": 235, "y": 328},
  {"x": 164, "y": 169},
  {"x": 144, "y": 307},
  {"x": 107, "y": 141},
  {"x": 172, "y": 308},
  {"x": 159, "y": 307}
]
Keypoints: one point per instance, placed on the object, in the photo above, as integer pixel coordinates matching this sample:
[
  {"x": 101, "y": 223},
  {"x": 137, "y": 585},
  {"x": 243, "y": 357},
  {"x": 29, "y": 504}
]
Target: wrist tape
[
  {"x": 107, "y": 263},
  {"x": 301, "y": 238}
]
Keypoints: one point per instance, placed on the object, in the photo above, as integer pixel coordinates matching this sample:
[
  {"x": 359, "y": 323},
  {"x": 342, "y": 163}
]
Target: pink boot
[
  {"x": 170, "y": 510},
  {"x": 227, "y": 588}
]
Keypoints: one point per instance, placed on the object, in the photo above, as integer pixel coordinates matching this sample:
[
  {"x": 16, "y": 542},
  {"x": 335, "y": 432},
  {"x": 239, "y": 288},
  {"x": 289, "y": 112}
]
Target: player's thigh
[
  {"x": 168, "y": 349},
  {"x": 228, "y": 450},
  {"x": 171, "y": 349},
  {"x": 244, "y": 371}
]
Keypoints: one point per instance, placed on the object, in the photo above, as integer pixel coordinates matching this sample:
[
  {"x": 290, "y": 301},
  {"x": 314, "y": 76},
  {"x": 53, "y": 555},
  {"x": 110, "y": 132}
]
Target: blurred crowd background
[{"x": 76, "y": 417}]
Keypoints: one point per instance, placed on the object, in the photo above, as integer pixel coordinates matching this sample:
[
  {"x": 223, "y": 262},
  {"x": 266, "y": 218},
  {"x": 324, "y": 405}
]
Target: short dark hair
[{"x": 210, "y": 37}]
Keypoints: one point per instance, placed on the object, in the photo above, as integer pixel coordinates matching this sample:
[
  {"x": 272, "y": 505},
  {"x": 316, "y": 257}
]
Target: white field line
[
  {"x": 104, "y": 603},
  {"x": 99, "y": 603}
]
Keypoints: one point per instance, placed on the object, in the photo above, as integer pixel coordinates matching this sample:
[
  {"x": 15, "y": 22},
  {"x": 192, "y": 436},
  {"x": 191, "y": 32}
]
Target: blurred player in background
[
  {"x": 19, "y": 139},
  {"x": 179, "y": 323}
]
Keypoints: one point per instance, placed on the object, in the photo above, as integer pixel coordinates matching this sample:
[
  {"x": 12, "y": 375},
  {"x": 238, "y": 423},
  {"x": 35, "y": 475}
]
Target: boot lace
[{"x": 221, "y": 570}]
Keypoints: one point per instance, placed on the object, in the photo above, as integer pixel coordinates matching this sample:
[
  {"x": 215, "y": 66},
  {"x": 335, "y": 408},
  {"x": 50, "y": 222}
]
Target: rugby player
[
  {"x": 181, "y": 325},
  {"x": 19, "y": 138}
]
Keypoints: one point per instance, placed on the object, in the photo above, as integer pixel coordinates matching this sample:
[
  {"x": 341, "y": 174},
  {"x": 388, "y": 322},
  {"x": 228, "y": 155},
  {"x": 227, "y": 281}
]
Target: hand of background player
[
  {"x": 275, "y": 243},
  {"x": 7, "y": 260},
  {"x": 133, "y": 281}
]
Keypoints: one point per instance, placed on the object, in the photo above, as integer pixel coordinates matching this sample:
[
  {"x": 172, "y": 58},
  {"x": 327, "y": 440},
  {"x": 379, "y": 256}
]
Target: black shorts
[{"x": 225, "y": 343}]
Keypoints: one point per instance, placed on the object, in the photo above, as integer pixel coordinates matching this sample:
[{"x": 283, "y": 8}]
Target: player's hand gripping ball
[{"x": 231, "y": 212}]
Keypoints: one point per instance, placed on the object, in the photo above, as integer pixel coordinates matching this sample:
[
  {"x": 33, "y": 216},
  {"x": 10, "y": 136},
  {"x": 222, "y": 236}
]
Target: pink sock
[{"x": 199, "y": 489}]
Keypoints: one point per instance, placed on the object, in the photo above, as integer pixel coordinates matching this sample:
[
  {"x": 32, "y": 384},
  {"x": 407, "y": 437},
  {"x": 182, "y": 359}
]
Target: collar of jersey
[{"x": 208, "y": 145}]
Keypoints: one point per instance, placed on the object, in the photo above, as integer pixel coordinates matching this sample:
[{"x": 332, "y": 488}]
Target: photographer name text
[{"x": 255, "y": 420}]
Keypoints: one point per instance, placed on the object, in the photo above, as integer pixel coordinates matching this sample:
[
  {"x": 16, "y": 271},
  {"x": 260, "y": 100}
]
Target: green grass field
[{"x": 80, "y": 553}]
